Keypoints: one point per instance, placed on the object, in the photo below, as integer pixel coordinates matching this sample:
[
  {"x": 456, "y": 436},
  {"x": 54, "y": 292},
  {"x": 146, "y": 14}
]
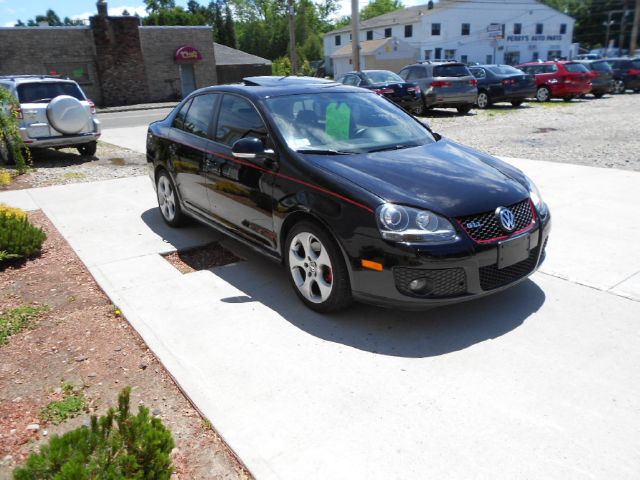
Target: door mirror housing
[{"x": 250, "y": 148}]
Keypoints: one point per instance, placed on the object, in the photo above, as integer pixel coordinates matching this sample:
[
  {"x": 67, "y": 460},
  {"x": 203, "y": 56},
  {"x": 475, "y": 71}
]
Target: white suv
[{"x": 53, "y": 112}]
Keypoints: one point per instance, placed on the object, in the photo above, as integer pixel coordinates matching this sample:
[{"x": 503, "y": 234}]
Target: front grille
[
  {"x": 491, "y": 277},
  {"x": 485, "y": 227},
  {"x": 449, "y": 282}
]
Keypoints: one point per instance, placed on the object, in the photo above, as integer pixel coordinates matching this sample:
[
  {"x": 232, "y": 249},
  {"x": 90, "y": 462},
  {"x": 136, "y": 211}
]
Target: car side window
[
  {"x": 199, "y": 115},
  {"x": 351, "y": 80},
  {"x": 478, "y": 72},
  {"x": 178, "y": 120},
  {"x": 403, "y": 73},
  {"x": 238, "y": 119}
]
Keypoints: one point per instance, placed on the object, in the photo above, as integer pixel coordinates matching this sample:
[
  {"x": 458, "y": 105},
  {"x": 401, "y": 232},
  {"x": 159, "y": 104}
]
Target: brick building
[{"x": 114, "y": 59}]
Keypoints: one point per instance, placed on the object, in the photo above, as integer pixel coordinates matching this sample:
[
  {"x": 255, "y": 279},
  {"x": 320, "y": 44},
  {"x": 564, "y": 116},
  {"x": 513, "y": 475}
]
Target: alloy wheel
[
  {"x": 543, "y": 94},
  {"x": 310, "y": 267},
  {"x": 483, "y": 100},
  {"x": 619, "y": 87},
  {"x": 166, "y": 198}
]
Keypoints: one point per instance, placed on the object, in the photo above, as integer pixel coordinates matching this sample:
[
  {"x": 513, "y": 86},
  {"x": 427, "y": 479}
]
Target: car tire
[
  {"x": 419, "y": 110},
  {"x": 87, "y": 149},
  {"x": 483, "y": 101},
  {"x": 168, "y": 201},
  {"x": 516, "y": 103},
  {"x": 6, "y": 152},
  {"x": 619, "y": 87},
  {"x": 598, "y": 95},
  {"x": 567, "y": 99},
  {"x": 543, "y": 94},
  {"x": 464, "y": 110},
  {"x": 316, "y": 268}
]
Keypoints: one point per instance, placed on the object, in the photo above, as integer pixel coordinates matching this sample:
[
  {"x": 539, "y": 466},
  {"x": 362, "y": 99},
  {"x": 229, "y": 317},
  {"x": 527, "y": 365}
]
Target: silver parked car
[
  {"x": 53, "y": 112},
  {"x": 443, "y": 84}
]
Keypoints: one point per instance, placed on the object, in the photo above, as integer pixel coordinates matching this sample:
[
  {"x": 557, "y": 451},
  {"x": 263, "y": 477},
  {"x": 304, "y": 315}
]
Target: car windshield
[
  {"x": 343, "y": 123},
  {"x": 576, "y": 67},
  {"x": 451, "y": 71},
  {"x": 382, "y": 76},
  {"x": 505, "y": 70},
  {"x": 46, "y": 91}
]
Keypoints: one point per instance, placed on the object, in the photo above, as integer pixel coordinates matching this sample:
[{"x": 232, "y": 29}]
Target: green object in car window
[{"x": 338, "y": 121}]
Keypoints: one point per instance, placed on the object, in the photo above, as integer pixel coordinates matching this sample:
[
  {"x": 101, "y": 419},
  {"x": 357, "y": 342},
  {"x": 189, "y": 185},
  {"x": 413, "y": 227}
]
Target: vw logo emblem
[{"x": 507, "y": 219}]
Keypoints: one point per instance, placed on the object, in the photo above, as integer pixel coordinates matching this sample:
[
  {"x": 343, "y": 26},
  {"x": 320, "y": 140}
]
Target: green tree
[{"x": 380, "y": 7}]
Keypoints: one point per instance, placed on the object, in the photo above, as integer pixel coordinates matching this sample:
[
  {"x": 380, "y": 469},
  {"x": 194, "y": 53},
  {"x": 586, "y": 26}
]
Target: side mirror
[{"x": 250, "y": 148}]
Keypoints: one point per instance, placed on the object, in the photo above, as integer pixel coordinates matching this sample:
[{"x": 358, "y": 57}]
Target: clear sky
[{"x": 12, "y": 10}]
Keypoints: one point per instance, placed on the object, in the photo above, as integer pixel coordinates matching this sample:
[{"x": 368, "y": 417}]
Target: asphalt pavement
[{"x": 539, "y": 381}]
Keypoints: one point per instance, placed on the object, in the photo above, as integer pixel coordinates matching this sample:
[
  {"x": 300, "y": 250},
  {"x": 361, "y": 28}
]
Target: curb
[{"x": 133, "y": 108}]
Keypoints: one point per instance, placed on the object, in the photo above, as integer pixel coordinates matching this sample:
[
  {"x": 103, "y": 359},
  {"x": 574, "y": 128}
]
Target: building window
[
  {"x": 427, "y": 54},
  {"x": 563, "y": 28},
  {"x": 338, "y": 42},
  {"x": 554, "y": 55},
  {"x": 349, "y": 37},
  {"x": 408, "y": 31},
  {"x": 449, "y": 54},
  {"x": 489, "y": 59},
  {"x": 539, "y": 28},
  {"x": 517, "y": 28},
  {"x": 387, "y": 32},
  {"x": 536, "y": 57},
  {"x": 438, "y": 53},
  {"x": 464, "y": 59},
  {"x": 435, "y": 29},
  {"x": 369, "y": 34},
  {"x": 466, "y": 29}
]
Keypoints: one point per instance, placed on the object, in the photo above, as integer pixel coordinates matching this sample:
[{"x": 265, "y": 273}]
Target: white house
[
  {"x": 383, "y": 54},
  {"x": 496, "y": 31}
]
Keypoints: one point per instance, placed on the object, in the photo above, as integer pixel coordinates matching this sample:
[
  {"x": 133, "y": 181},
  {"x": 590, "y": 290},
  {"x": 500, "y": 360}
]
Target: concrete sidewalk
[{"x": 540, "y": 381}]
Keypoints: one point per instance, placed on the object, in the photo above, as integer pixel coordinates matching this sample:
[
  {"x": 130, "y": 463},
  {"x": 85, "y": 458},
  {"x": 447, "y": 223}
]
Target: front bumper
[{"x": 464, "y": 273}]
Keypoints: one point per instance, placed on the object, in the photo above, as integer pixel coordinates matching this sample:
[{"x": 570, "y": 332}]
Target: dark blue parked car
[{"x": 502, "y": 83}]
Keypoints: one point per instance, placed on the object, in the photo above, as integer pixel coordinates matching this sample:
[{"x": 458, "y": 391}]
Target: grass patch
[
  {"x": 18, "y": 319},
  {"x": 73, "y": 175},
  {"x": 70, "y": 406}
]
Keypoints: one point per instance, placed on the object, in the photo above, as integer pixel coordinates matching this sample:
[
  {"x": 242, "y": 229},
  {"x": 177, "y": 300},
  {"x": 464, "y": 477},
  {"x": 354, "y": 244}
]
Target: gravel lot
[{"x": 598, "y": 132}]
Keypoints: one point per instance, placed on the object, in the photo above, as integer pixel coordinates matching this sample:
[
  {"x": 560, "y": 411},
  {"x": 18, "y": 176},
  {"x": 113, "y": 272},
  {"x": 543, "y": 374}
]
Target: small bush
[
  {"x": 5, "y": 178},
  {"x": 16, "y": 320},
  {"x": 18, "y": 238},
  {"x": 117, "y": 445},
  {"x": 16, "y": 212},
  {"x": 10, "y": 131}
]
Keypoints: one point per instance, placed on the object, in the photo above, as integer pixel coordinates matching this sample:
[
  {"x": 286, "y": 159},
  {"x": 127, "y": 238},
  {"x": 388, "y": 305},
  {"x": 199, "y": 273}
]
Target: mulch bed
[
  {"x": 82, "y": 339},
  {"x": 201, "y": 258}
]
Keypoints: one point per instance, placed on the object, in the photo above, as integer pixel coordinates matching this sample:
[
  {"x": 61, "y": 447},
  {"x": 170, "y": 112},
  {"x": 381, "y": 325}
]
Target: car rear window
[
  {"x": 600, "y": 66},
  {"x": 505, "y": 70},
  {"x": 451, "y": 71},
  {"x": 42, "y": 92},
  {"x": 624, "y": 64},
  {"x": 383, "y": 77},
  {"x": 575, "y": 68}
]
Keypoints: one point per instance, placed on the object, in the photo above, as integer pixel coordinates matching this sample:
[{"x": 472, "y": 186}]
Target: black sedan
[
  {"x": 390, "y": 85},
  {"x": 357, "y": 198},
  {"x": 502, "y": 83}
]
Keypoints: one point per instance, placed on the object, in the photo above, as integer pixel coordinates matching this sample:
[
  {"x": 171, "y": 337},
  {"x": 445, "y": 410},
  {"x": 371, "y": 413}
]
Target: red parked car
[{"x": 562, "y": 79}]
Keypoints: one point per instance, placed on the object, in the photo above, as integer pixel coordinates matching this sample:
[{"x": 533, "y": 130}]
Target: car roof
[
  {"x": 34, "y": 78},
  {"x": 279, "y": 81},
  {"x": 262, "y": 91}
]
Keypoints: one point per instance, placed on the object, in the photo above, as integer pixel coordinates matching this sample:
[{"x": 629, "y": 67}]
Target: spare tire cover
[{"x": 67, "y": 115}]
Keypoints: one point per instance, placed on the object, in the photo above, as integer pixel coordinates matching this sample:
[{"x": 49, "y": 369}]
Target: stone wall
[
  {"x": 119, "y": 60},
  {"x": 68, "y": 51},
  {"x": 159, "y": 45}
]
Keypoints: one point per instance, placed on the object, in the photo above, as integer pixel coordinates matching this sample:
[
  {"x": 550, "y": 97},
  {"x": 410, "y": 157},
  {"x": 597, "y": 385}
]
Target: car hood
[{"x": 445, "y": 177}]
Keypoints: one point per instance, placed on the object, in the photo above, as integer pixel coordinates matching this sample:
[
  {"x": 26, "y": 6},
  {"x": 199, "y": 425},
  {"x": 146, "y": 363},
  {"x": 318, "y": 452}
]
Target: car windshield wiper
[
  {"x": 394, "y": 147},
  {"x": 323, "y": 151}
]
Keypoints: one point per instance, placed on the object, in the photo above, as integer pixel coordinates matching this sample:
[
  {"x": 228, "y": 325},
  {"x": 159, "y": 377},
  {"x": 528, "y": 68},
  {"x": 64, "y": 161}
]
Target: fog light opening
[{"x": 421, "y": 286}]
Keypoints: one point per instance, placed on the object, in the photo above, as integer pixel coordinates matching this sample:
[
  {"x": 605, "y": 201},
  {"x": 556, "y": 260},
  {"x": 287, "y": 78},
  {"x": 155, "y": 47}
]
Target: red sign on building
[{"x": 187, "y": 53}]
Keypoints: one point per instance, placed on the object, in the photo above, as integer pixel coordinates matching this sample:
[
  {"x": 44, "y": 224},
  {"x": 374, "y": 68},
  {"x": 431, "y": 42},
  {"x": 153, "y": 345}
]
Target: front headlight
[
  {"x": 536, "y": 198},
  {"x": 411, "y": 225}
]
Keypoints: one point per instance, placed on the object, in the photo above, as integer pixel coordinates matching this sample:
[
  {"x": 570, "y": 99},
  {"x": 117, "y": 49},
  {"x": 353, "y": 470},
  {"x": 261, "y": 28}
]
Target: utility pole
[
  {"x": 622, "y": 25},
  {"x": 634, "y": 30},
  {"x": 292, "y": 39},
  {"x": 355, "y": 35},
  {"x": 606, "y": 37}
]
